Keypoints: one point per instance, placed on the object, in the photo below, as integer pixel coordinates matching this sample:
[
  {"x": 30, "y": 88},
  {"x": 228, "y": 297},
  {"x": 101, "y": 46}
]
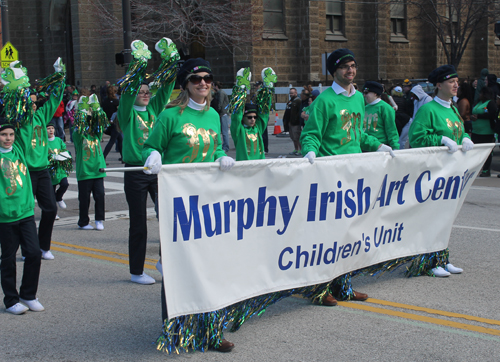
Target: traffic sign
[{"x": 8, "y": 55}]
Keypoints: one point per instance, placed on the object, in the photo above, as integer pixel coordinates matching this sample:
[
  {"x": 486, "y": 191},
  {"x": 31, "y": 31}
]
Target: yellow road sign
[{"x": 8, "y": 55}]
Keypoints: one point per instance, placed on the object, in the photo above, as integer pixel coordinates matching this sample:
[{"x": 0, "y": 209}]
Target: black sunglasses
[
  {"x": 196, "y": 79},
  {"x": 251, "y": 117}
]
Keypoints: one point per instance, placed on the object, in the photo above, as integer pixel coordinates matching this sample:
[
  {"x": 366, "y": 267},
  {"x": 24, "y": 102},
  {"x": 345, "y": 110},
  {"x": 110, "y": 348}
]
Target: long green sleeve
[
  {"x": 34, "y": 136},
  {"x": 432, "y": 122}
]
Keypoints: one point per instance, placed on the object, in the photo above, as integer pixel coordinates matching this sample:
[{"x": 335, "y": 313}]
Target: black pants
[
  {"x": 13, "y": 234},
  {"x": 265, "y": 140},
  {"x": 484, "y": 138},
  {"x": 137, "y": 186},
  {"x": 44, "y": 193},
  {"x": 115, "y": 137},
  {"x": 85, "y": 187},
  {"x": 63, "y": 187}
]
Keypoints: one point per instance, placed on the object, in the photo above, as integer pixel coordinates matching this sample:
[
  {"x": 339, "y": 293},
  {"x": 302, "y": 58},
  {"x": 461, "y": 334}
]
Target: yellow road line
[
  {"x": 96, "y": 250},
  {"x": 420, "y": 318},
  {"x": 97, "y": 256},
  {"x": 343, "y": 304},
  {"x": 433, "y": 311}
]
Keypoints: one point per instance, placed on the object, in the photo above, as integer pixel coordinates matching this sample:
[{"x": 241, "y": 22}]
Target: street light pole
[
  {"x": 127, "y": 30},
  {"x": 5, "y": 22}
]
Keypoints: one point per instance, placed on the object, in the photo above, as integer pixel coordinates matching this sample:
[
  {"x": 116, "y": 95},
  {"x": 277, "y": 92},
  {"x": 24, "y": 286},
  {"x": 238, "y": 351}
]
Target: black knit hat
[
  {"x": 4, "y": 124},
  {"x": 192, "y": 66},
  {"x": 250, "y": 108},
  {"x": 338, "y": 57},
  {"x": 374, "y": 87},
  {"x": 442, "y": 73},
  {"x": 51, "y": 124}
]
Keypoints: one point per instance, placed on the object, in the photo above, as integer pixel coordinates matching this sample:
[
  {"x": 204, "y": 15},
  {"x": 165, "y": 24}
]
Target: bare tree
[
  {"x": 455, "y": 21},
  {"x": 220, "y": 23}
]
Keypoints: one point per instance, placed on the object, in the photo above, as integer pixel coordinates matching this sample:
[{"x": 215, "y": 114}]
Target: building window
[
  {"x": 398, "y": 21},
  {"x": 274, "y": 20},
  {"x": 335, "y": 21},
  {"x": 454, "y": 23}
]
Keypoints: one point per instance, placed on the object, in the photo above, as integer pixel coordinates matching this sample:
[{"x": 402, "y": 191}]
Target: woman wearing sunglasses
[{"x": 188, "y": 131}]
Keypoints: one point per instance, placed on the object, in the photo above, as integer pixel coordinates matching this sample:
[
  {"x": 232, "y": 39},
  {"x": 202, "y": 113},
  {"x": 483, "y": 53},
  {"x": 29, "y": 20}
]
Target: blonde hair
[{"x": 183, "y": 99}]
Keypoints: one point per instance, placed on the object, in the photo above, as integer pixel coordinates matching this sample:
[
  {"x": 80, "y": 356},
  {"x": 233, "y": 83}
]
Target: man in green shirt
[{"x": 334, "y": 127}]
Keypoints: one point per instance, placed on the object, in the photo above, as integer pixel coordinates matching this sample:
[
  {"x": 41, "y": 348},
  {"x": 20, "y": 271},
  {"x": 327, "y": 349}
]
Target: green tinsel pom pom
[
  {"x": 66, "y": 166},
  {"x": 52, "y": 84},
  {"x": 131, "y": 82},
  {"x": 264, "y": 99},
  {"x": 18, "y": 107},
  {"x": 238, "y": 99},
  {"x": 167, "y": 72}
]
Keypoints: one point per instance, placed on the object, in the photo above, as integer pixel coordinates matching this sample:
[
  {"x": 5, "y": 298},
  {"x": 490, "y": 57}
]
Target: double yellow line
[
  {"x": 383, "y": 307},
  {"x": 98, "y": 254}
]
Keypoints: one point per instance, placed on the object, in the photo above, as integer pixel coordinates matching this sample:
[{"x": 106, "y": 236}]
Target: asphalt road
[{"x": 94, "y": 313}]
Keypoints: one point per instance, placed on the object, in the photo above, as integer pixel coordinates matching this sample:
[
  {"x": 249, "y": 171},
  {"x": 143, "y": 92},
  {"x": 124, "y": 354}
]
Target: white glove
[
  {"x": 153, "y": 163},
  {"x": 448, "y": 142},
  {"x": 226, "y": 163},
  {"x": 59, "y": 157},
  {"x": 467, "y": 144},
  {"x": 58, "y": 65},
  {"x": 310, "y": 156},
  {"x": 65, "y": 154},
  {"x": 385, "y": 148}
]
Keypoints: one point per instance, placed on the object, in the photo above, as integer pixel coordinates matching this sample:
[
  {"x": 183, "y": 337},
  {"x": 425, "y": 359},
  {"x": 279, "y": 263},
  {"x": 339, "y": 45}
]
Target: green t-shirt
[
  {"x": 193, "y": 136},
  {"x": 248, "y": 140},
  {"x": 136, "y": 125},
  {"x": 482, "y": 125},
  {"x": 335, "y": 126},
  {"x": 432, "y": 122},
  {"x": 380, "y": 122},
  {"x": 89, "y": 158},
  {"x": 34, "y": 136},
  {"x": 57, "y": 146},
  {"x": 16, "y": 194}
]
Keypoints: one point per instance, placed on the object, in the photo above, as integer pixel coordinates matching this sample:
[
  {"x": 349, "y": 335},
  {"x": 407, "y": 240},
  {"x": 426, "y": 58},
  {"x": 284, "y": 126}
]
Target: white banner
[{"x": 271, "y": 225}]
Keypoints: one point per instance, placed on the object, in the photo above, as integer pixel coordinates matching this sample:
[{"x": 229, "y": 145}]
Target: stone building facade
[{"x": 291, "y": 36}]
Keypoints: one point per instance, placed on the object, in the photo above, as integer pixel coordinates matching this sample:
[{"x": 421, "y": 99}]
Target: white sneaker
[
  {"x": 440, "y": 272},
  {"x": 159, "y": 267},
  {"x": 86, "y": 227},
  {"x": 57, "y": 217},
  {"x": 17, "y": 309},
  {"x": 47, "y": 255},
  {"x": 142, "y": 279},
  {"x": 453, "y": 269},
  {"x": 33, "y": 305},
  {"x": 99, "y": 225},
  {"x": 61, "y": 204}
]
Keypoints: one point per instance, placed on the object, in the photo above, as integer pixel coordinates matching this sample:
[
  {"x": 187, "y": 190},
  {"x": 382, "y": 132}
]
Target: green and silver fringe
[
  {"x": 166, "y": 72},
  {"x": 424, "y": 263},
  {"x": 66, "y": 166},
  {"x": 18, "y": 107},
  {"x": 264, "y": 99},
  {"x": 238, "y": 99},
  {"x": 52, "y": 84},
  {"x": 131, "y": 82}
]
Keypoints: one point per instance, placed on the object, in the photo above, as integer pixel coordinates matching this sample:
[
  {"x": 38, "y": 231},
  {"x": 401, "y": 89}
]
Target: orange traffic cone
[{"x": 277, "y": 125}]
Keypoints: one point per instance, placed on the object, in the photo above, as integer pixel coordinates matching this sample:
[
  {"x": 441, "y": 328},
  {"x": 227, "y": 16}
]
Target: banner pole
[{"x": 123, "y": 169}]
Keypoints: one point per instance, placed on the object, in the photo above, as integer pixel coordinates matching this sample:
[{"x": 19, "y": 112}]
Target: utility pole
[
  {"x": 127, "y": 30},
  {"x": 5, "y": 21}
]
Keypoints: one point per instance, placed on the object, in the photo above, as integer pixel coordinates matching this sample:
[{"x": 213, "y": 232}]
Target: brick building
[{"x": 291, "y": 36}]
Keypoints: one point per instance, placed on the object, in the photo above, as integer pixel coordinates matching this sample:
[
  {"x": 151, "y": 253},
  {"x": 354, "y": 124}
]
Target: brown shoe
[
  {"x": 360, "y": 296},
  {"x": 225, "y": 346},
  {"x": 328, "y": 300}
]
